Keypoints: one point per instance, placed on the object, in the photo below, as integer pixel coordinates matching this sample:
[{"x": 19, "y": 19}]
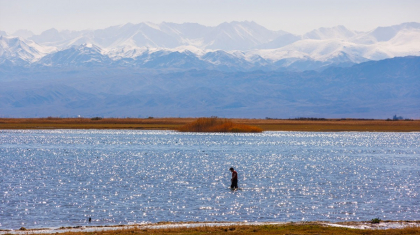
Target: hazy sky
[{"x": 295, "y": 16}]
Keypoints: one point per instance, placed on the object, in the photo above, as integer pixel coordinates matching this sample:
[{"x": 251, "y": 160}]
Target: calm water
[{"x": 53, "y": 178}]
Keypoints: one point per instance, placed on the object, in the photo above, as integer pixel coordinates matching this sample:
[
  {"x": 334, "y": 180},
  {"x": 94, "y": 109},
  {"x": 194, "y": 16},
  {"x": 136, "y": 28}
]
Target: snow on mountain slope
[
  {"x": 134, "y": 52},
  {"x": 382, "y": 34},
  {"x": 140, "y": 35},
  {"x": 404, "y": 43},
  {"x": 135, "y": 35},
  {"x": 126, "y": 52},
  {"x": 320, "y": 50},
  {"x": 186, "y": 31},
  {"x": 238, "y": 36},
  {"x": 226, "y": 36},
  {"x": 227, "y": 61},
  {"x": 235, "y": 45},
  {"x": 86, "y": 55},
  {"x": 62, "y": 39},
  {"x": 14, "y": 49},
  {"x": 338, "y": 32}
]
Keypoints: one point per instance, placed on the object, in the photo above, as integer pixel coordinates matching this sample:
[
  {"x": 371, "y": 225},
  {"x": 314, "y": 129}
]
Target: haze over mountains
[{"x": 237, "y": 69}]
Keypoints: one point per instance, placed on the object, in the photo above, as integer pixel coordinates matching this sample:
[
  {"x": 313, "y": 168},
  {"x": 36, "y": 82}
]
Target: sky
[{"x": 294, "y": 16}]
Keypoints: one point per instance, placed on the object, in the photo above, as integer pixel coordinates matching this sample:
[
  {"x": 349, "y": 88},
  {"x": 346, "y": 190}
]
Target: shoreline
[
  {"x": 317, "y": 125},
  {"x": 362, "y": 225}
]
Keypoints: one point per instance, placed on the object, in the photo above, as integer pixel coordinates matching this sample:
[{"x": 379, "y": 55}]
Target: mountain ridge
[{"x": 244, "y": 43}]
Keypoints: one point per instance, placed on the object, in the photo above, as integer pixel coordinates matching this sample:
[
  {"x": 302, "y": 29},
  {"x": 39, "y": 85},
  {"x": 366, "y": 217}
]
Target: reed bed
[{"x": 214, "y": 124}]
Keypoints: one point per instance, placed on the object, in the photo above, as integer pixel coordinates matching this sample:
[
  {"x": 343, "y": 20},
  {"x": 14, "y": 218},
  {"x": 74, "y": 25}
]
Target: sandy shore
[
  {"x": 326, "y": 125},
  {"x": 351, "y": 225}
]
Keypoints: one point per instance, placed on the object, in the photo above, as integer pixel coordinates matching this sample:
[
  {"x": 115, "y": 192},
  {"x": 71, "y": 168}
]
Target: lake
[{"x": 54, "y": 178}]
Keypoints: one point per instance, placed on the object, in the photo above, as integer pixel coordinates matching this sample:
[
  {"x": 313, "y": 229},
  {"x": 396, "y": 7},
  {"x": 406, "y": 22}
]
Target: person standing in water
[{"x": 234, "y": 179}]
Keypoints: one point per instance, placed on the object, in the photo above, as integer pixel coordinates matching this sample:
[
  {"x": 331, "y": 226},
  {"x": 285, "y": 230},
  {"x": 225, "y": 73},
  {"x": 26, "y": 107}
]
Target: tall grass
[{"x": 215, "y": 124}]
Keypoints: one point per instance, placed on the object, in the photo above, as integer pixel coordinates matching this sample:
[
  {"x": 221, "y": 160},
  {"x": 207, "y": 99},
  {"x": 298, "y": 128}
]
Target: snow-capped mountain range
[
  {"x": 235, "y": 46},
  {"x": 237, "y": 69}
]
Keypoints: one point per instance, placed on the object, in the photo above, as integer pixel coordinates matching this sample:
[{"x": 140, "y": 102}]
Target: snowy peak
[
  {"x": 88, "y": 48},
  {"x": 386, "y": 33},
  {"x": 62, "y": 39},
  {"x": 16, "y": 50},
  {"x": 235, "y": 35},
  {"x": 186, "y": 31},
  {"x": 337, "y": 32},
  {"x": 238, "y": 36},
  {"x": 228, "y": 46},
  {"x": 126, "y": 52},
  {"x": 133, "y": 35},
  {"x": 226, "y": 36},
  {"x": 87, "y": 55}
]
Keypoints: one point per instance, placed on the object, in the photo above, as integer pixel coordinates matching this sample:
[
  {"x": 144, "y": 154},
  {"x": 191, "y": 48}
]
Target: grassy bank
[
  {"x": 289, "y": 228},
  {"x": 176, "y": 123},
  {"x": 266, "y": 229}
]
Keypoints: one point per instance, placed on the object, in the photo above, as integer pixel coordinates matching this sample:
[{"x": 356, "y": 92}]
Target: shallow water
[{"x": 53, "y": 178}]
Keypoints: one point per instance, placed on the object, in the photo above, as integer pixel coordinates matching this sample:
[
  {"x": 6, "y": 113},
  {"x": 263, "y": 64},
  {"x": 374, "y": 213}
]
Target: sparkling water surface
[{"x": 54, "y": 178}]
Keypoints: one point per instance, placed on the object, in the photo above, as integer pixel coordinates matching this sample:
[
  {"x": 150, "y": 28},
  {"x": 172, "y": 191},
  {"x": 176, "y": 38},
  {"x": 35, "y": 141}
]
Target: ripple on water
[{"x": 52, "y": 178}]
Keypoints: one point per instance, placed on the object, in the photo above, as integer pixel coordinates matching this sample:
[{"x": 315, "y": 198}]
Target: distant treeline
[{"x": 407, "y": 119}]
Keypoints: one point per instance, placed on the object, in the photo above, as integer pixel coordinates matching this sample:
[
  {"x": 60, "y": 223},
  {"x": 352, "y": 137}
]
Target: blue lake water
[{"x": 53, "y": 178}]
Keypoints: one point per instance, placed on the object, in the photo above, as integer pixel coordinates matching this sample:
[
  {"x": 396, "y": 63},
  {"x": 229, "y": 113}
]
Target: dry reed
[
  {"x": 176, "y": 123},
  {"x": 214, "y": 124}
]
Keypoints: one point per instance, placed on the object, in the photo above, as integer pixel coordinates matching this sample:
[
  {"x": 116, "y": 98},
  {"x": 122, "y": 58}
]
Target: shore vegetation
[
  {"x": 154, "y": 123},
  {"x": 214, "y": 124},
  {"x": 290, "y": 228}
]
